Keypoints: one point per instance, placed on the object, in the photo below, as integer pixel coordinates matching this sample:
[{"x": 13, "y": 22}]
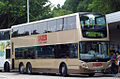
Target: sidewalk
[{"x": 117, "y": 75}]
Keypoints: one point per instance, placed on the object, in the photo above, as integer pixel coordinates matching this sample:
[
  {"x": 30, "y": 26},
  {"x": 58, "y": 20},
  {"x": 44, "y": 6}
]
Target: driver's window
[{"x": 100, "y": 20}]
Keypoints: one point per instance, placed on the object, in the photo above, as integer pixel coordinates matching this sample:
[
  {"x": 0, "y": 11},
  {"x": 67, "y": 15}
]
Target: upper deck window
[
  {"x": 38, "y": 28},
  {"x": 51, "y": 26},
  {"x": 5, "y": 35},
  {"x": 21, "y": 31},
  {"x": 60, "y": 24},
  {"x": 35, "y": 28},
  {"x": 66, "y": 23},
  {"x": 69, "y": 23},
  {"x": 93, "y": 25},
  {"x": 27, "y": 30},
  {"x": 15, "y": 32}
]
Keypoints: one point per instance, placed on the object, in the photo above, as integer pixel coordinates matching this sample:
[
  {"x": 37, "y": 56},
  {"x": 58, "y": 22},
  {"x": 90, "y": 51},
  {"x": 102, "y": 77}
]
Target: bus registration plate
[{"x": 97, "y": 64}]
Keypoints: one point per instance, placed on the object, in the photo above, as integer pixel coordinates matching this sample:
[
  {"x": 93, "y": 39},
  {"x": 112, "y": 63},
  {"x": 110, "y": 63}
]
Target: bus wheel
[
  {"x": 7, "y": 67},
  {"x": 21, "y": 68},
  {"x": 29, "y": 68},
  {"x": 63, "y": 70},
  {"x": 91, "y": 74}
]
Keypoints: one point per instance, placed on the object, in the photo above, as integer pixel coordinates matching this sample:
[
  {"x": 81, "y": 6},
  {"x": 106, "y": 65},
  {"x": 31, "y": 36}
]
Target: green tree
[
  {"x": 15, "y": 11},
  {"x": 77, "y": 5},
  {"x": 83, "y": 5},
  {"x": 71, "y": 5},
  {"x": 58, "y": 11},
  {"x": 10, "y": 11},
  {"x": 57, "y": 8},
  {"x": 115, "y": 4},
  {"x": 104, "y": 6},
  {"x": 39, "y": 9}
]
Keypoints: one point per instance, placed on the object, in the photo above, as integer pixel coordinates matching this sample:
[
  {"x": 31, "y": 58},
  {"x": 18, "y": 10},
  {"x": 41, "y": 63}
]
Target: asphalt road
[{"x": 16, "y": 75}]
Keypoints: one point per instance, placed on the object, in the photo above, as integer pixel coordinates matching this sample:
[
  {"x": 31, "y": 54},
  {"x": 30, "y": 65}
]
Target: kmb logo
[{"x": 42, "y": 38}]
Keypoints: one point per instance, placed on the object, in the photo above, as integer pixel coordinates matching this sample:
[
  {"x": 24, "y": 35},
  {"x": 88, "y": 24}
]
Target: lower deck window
[
  {"x": 7, "y": 53},
  {"x": 51, "y": 51}
]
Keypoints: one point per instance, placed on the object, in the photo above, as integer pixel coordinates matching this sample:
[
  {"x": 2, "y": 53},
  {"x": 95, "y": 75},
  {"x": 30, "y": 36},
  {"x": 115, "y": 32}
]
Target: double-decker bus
[
  {"x": 72, "y": 44},
  {"x": 5, "y": 50}
]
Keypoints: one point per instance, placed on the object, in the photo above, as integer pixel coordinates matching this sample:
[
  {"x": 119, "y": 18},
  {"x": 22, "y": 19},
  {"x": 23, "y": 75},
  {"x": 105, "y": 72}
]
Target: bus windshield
[
  {"x": 92, "y": 51},
  {"x": 93, "y": 25}
]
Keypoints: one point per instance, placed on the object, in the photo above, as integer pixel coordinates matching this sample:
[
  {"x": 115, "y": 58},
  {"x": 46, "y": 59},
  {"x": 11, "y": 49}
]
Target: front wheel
[
  {"x": 29, "y": 69},
  {"x": 63, "y": 70}
]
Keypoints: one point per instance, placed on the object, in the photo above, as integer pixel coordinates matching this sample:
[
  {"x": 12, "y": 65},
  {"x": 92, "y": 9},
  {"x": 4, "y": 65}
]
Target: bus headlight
[
  {"x": 109, "y": 64},
  {"x": 84, "y": 65}
]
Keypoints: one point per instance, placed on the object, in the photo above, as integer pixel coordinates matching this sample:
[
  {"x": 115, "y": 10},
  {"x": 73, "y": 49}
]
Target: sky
[{"x": 55, "y": 2}]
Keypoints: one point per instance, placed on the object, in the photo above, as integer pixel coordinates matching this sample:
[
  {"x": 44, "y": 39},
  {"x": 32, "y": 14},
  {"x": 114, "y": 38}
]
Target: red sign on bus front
[
  {"x": 42, "y": 38},
  {"x": 97, "y": 64}
]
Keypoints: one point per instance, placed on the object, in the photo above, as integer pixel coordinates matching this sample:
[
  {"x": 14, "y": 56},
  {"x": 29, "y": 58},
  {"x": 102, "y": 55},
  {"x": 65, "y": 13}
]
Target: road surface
[{"x": 16, "y": 75}]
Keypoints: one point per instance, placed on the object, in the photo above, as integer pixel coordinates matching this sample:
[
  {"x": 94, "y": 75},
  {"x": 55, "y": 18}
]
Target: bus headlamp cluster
[
  {"x": 109, "y": 64},
  {"x": 83, "y": 64}
]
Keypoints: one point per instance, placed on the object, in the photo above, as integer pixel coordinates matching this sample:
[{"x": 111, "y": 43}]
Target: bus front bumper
[{"x": 89, "y": 69}]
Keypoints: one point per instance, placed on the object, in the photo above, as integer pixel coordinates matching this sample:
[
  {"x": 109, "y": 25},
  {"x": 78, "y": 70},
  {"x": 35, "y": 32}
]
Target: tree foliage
[
  {"x": 15, "y": 11},
  {"x": 83, "y": 5},
  {"x": 10, "y": 11},
  {"x": 101, "y": 6},
  {"x": 104, "y": 6},
  {"x": 58, "y": 11},
  {"x": 77, "y": 5},
  {"x": 71, "y": 5}
]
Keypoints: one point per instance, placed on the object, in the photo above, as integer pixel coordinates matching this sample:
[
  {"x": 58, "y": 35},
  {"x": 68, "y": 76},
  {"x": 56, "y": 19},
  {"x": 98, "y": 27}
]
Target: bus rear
[{"x": 5, "y": 50}]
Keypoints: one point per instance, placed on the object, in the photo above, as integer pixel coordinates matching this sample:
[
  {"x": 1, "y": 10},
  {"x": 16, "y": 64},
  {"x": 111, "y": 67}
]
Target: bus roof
[
  {"x": 113, "y": 17},
  {"x": 5, "y": 29}
]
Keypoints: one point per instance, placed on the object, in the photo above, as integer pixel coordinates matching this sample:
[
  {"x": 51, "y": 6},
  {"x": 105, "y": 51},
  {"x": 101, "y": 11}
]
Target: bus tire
[
  {"x": 63, "y": 70},
  {"x": 29, "y": 68},
  {"x": 91, "y": 74},
  {"x": 21, "y": 68},
  {"x": 7, "y": 67}
]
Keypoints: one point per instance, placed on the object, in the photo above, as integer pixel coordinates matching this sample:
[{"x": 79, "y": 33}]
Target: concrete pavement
[{"x": 16, "y": 75}]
